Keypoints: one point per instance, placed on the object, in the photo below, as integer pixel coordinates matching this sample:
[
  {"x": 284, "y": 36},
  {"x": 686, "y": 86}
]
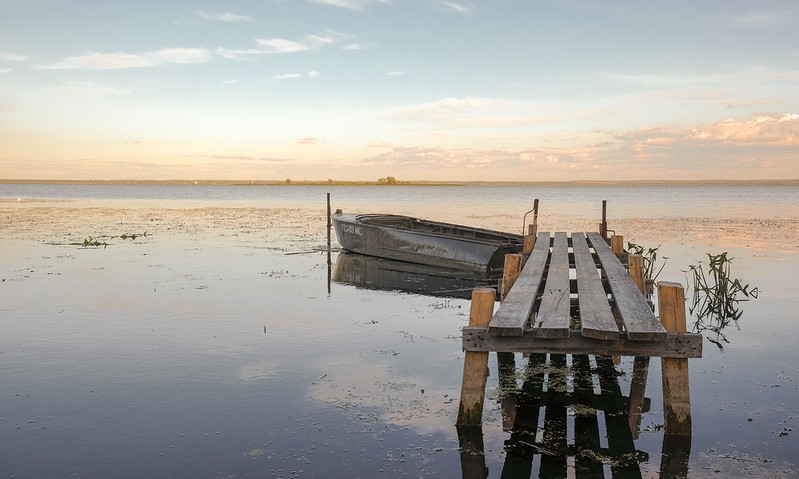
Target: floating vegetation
[
  {"x": 716, "y": 296},
  {"x": 92, "y": 242},
  {"x": 650, "y": 257}
]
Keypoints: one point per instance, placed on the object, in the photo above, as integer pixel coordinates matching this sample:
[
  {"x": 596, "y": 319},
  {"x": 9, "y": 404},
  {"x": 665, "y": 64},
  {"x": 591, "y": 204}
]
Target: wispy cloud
[
  {"x": 3, "y": 71},
  {"x": 266, "y": 46},
  {"x": 257, "y": 159},
  {"x": 89, "y": 88},
  {"x": 281, "y": 45},
  {"x": 291, "y": 76},
  {"x": 307, "y": 141},
  {"x": 396, "y": 73},
  {"x": 762, "y": 19},
  {"x": 457, "y": 7},
  {"x": 223, "y": 17},
  {"x": 11, "y": 57},
  {"x": 351, "y": 4},
  {"x": 121, "y": 60}
]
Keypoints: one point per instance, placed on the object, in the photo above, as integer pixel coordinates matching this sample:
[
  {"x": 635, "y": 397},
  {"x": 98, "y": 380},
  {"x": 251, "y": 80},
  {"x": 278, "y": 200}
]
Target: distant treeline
[{"x": 391, "y": 181}]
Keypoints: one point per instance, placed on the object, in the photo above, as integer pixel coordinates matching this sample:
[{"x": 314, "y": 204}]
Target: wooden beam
[
  {"x": 515, "y": 310},
  {"x": 595, "y": 314},
  {"x": 676, "y": 394},
  {"x": 475, "y": 363},
  {"x": 554, "y": 316},
  {"x": 672, "y": 345},
  {"x": 639, "y": 320}
]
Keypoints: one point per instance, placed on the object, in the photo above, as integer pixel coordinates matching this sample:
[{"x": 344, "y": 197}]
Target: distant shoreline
[{"x": 772, "y": 182}]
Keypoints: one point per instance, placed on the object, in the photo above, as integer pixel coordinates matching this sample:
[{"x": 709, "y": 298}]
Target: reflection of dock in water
[
  {"x": 570, "y": 420},
  {"x": 384, "y": 274}
]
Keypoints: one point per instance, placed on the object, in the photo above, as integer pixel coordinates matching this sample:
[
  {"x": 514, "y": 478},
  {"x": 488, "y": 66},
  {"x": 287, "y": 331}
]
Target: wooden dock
[{"x": 574, "y": 296}]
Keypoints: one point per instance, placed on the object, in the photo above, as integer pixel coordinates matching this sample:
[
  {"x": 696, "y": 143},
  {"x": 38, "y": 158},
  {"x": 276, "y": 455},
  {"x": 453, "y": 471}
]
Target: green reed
[
  {"x": 716, "y": 296},
  {"x": 650, "y": 258}
]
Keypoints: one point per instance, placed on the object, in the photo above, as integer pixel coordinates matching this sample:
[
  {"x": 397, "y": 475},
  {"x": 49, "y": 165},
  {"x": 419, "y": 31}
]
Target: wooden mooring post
[
  {"x": 475, "y": 363},
  {"x": 676, "y": 395}
]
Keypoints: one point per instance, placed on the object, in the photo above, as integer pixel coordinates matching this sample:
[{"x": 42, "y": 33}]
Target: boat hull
[{"x": 412, "y": 240}]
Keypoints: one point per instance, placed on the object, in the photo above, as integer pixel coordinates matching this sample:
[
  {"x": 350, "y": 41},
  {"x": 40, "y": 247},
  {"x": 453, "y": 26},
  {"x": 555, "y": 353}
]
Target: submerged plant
[
  {"x": 716, "y": 295},
  {"x": 650, "y": 257}
]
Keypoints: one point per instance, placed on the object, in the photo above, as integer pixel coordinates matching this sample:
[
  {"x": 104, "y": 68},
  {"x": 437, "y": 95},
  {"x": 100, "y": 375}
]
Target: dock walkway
[{"x": 574, "y": 296}]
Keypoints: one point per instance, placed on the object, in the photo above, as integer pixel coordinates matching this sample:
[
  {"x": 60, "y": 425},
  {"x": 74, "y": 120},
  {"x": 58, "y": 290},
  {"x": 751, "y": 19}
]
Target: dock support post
[
  {"x": 617, "y": 244},
  {"x": 640, "y": 363},
  {"x": 636, "y": 262},
  {"x": 513, "y": 266},
  {"x": 475, "y": 363},
  {"x": 676, "y": 395},
  {"x": 528, "y": 242},
  {"x": 506, "y": 362}
]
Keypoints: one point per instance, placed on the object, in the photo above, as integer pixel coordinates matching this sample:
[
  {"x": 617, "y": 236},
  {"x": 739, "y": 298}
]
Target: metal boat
[{"x": 404, "y": 238}]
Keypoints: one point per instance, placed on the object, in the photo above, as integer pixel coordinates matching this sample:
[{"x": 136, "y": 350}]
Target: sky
[{"x": 507, "y": 90}]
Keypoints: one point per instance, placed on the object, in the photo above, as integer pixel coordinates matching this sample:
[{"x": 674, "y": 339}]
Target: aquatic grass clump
[
  {"x": 716, "y": 296},
  {"x": 650, "y": 257}
]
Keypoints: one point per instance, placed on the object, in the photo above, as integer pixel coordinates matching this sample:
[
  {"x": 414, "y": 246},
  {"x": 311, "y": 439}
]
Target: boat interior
[{"x": 413, "y": 224}]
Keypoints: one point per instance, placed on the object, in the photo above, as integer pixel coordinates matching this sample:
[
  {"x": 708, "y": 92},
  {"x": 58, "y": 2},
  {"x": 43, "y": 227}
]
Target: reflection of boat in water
[
  {"x": 380, "y": 273},
  {"x": 413, "y": 240}
]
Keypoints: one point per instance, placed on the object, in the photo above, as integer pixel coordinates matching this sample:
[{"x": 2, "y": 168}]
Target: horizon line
[{"x": 288, "y": 182}]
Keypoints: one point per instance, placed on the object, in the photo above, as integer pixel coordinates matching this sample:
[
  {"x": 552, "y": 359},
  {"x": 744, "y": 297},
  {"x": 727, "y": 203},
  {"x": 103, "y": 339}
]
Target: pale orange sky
[{"x": 360, "y": 89}]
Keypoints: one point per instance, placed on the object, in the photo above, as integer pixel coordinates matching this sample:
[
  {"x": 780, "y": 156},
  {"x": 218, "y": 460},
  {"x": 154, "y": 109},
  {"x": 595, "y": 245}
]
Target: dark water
[{"x": 215, "y": 346}]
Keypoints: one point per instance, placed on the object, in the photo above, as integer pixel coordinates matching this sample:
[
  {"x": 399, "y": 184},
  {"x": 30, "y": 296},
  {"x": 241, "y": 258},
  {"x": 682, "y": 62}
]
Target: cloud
[
  {"x": 253, "y": 159},
  {"x": 121, "y": 60},
  {"x": 396, "y": 73},
  {"x": 761, "y": 19},
  {"x": 11, "y": 57},
  {"x": 766, "y": 130},
  {"x": 738, "y": 148},
  {"x": 291, "y": 76},
  {"x": 307, "y": 141},
  {"x": 458, "y": 7},
  {"x": 89, "y": 88},
  {"x": 472, "y": 112},
  {"x": 350, "y": 4},
  {"x": 378, "y": 144},
  {"x": 266, "y": 46},
  {"x": 223, "y": 17},
  {"x": 281, "y": 45},
  {"x": 5, "y": 70}
]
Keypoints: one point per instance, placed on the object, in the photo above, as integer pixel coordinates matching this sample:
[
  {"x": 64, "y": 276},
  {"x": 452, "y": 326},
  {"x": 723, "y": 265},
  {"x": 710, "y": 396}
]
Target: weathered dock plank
[
  {"x": 553, "y": 316},
  {"x": 639, "y": 320},
  {"x": 514, "y": 312},
  {"x": 672, "y": 345},
  {"x": 595, "y": 313}
]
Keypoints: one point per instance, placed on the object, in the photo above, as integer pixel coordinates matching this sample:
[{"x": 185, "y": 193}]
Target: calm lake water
[{"x": 216, "y": 346}]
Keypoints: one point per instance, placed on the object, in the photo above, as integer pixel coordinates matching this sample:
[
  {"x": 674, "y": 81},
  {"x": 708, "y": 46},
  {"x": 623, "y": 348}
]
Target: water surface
[{"x": 214, "y": 346}]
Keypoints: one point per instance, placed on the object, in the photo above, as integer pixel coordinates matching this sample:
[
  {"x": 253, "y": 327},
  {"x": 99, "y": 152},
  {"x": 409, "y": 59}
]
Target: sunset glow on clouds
[{"x": 361, "y": 89}]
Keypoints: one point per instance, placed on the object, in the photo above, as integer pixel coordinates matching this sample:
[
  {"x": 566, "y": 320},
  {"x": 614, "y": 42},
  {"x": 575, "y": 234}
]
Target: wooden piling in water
[
  {"x": 617, "y": 244},
  {"x": 676, "y": 394},
  {"x": 475, "y": 363},
  {"x": 636, "y": 262},
  {"x": 513, "y": 265}
]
